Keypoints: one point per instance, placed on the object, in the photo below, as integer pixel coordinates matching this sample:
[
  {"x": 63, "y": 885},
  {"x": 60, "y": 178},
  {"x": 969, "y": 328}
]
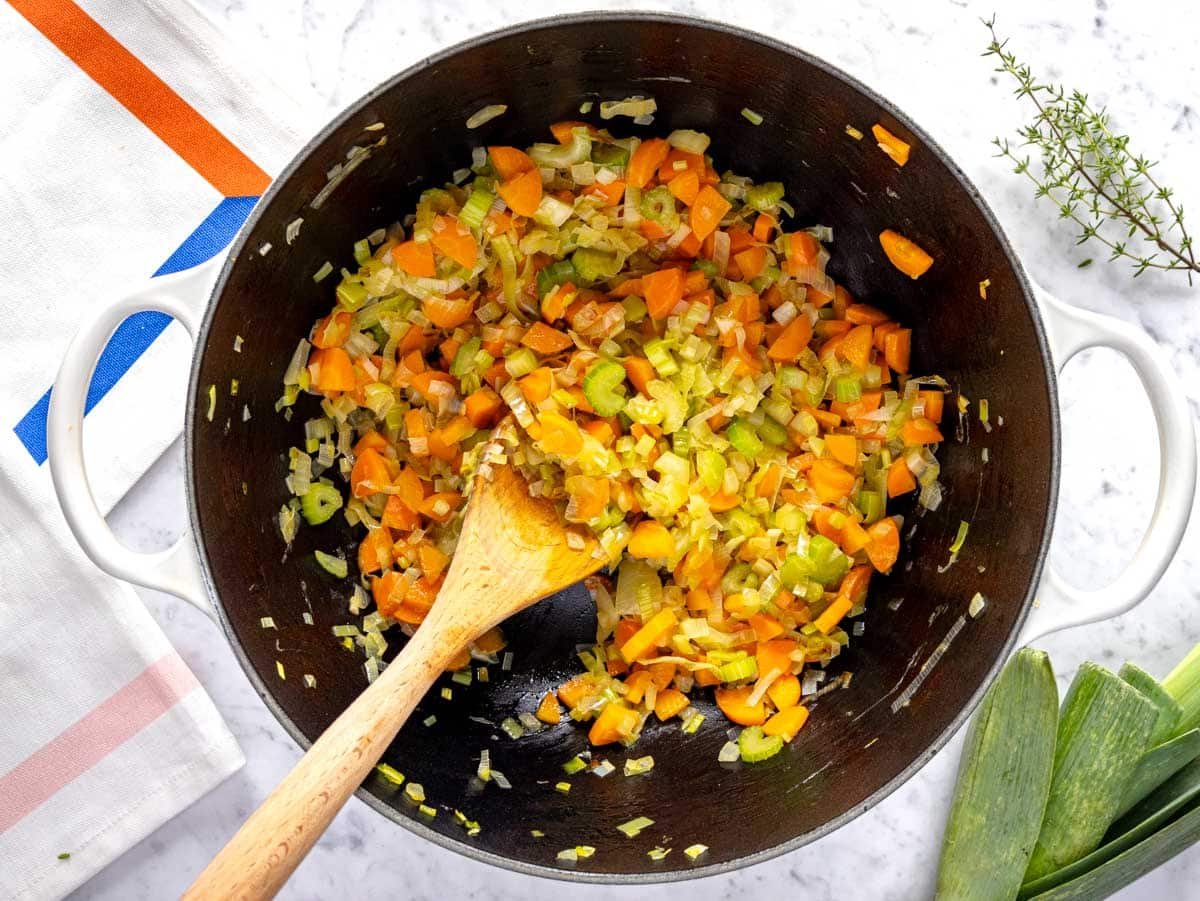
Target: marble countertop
[{"x": 1137, "y": 57}]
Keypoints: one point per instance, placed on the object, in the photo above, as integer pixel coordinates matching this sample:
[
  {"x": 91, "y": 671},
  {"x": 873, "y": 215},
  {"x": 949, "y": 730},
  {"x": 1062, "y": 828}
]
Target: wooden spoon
[{"x": 512, "y": 552}]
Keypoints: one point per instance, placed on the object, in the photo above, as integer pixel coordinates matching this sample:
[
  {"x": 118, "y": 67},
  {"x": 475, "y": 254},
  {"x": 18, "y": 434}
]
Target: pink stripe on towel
[{"x": 93, "y": 737}]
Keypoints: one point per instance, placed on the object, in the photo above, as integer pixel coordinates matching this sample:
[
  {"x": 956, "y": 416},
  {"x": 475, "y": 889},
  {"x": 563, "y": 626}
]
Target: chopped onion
[{"x": 486, "y": 114}]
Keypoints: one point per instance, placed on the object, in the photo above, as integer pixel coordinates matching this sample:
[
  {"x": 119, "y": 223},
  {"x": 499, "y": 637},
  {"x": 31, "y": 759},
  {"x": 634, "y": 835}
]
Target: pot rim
[{"x": 239, "y": 244}]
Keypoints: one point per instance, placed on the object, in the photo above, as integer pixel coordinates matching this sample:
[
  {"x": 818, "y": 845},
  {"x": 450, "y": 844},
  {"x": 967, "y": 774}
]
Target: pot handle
[
  {"x": 1060, "y": 604},
  {"x": 177, "y": 569}
]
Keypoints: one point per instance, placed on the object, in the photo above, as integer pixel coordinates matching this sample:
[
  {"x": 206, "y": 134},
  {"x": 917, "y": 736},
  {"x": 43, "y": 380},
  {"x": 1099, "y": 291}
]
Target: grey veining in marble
[{"x": 1138, "y": 57}]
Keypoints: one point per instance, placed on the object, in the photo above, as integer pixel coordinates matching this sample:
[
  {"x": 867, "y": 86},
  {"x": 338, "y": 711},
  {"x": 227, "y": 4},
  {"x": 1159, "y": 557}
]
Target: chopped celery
[
  {"x": 870, "y": 505},
  {"x": 847, "y": 389},
  {"x": 708, "y": 267},
  {"x": 563, "y": 156},
  {"x": 765, "y": 196},
  {"x": 710, "y": 466},
  {"x": 658, "y": 352},
  {"x": 521, "y": 361},
  {"x": 464, "y": 360},
  {"x": 829, "y": 563},
  {"x": 755, "y": 746},
  {"x": 635, "y": 309},
  {"x": 642, "y": 409},
  {"x": 795, "y": 569},
  {"x": 351, "y": 295},
  {"x": 609, "y": 155},
  {"x": 681, "y": 442},
  {"x": 658, "y": 205},
  {"x": 741, "y": 435},
  {"x": 477, "y": 206},
  {"x": 335, "y": 566},
  {"x": 772, "y": 432},
  {"x": 319, "y": 503},
  {"x": 600, "y": 387},
  {"x": 555, "y": 274},
  {"x": 592, "y": 264}
]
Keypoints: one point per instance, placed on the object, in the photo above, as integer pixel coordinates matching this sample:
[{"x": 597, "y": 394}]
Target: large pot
[{"x": 921, "y": 664}]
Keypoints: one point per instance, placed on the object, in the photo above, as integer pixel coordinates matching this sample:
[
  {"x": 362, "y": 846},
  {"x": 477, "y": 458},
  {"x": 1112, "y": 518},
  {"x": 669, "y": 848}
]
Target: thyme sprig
[{"x": 1091, "y": 175}]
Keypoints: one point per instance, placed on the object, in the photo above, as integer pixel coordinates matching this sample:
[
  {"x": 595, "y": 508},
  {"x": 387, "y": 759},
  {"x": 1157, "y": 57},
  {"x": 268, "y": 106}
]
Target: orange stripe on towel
[{"x": 175, "y": 121}]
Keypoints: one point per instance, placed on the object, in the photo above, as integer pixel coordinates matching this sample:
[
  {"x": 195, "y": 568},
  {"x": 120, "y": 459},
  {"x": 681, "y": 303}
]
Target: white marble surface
[{"x": 1138, "y": 57}]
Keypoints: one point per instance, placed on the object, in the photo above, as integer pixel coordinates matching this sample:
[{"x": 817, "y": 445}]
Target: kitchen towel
[{"x": 134, "y": 143}]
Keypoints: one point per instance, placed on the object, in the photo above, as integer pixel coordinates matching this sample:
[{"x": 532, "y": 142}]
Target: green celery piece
[
  {"x": 1148, "y": 835},
  {"x": 1169, "y": 710},
  {"x": 710, "y": 466},
  {"x": 765, "y": 196},
  {"x": 600, "y": 387},
  {"x": 592, "y": 264},
  {"x": 1159, "y": 764},
  {"x": 319, "y": 503},
  {"x": 1003, "y": 782},
  {"x": 1102, "y": 733},
  {"x": 555, "y": 274},
  {"x": 741, "y": 435},
  {"x": 756, "y": 747}
]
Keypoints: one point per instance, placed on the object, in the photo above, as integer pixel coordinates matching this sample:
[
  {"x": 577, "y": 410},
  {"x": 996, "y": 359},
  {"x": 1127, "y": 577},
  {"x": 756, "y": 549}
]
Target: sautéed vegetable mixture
[{"x": 659, "y": 352}]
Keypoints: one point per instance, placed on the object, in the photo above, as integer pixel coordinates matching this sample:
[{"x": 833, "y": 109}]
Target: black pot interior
[{"x": 855, "y": 747}]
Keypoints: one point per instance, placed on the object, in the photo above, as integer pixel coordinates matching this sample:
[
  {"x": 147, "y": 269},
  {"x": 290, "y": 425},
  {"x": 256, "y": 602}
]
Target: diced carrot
[
  {"x": 548, "y": 710},
  {"x": 492, "y": 641},
  {"x": 588, "y": 497},
  {"x": 441, "y": 505},
  {"x": 854, "y": 537},
  {"x": 422, "y": 381},
  {"x": 509, "y": 161},
  {"x": 763, "y": 227},
  {"x": 699, "y": 600},
  {"x": 640, "y": 372},
  {"x": 855, "y": 348},
  {"x": 670, "y": 703},
  {"x": 538, "y": 385},
  {"x": 522, "y": 192},
  {"x": 661, "y": 674},
  {"x": 843, "y": 448},
  {"x": 689, "y": 247},
  {"x": 432, "y": 560},
  {"x": 734, "y": 703},
  {"x": 707, "y": 677},
  {"x": 785, "y": 692},
  {"x": 332, "y": 331},
  {"x": 648, "y": 636},
  {"x": 615, "y": 722},
  {"x": 371, "y": 439},
  {"x": 770, "y": 482},
  {"x": 891, "y": 145},
  {"x": 920, "y": 431},
  {"x": 662, "y": 291},
  {"x": 459, "y": 661},
  {"x": 455, "y": 240},
  {"x": 855, "y": 583},
  {"x": 483, "y": 407},
  {"x": 832, "y": 615},
  {"x": 398, "y": 515},
  {"x": 685, "y": 187},
  {"x": 645, "y": 161},
  {"x": 862, "y": 314},
  {"x": 415, "y": 258},
  {"x": 375, "y": 551},
  {"x": 546, "y": 341},
  {"x": 331, "y": 370},
  {"x": 627, "y": 288},
  {"x": 636, "y": 684},
  {"x": 802, "y": 253},
  {"x": 601, "y": 430},
  {"x": 651, "y": 541},
  {"x": 904, "y": 254},
  {"x": 573, "y": 691},
  {"x": 792, "y": 341},
  {"x": 558, "y": 434},
  {"x": 775, "y": 655},
  {"x": 884, "y": 546},
  {"x": 610, "y": 193},
  {"x": 935, "y": 402},
  {"x": 447, "y": 313},
  {"x": 652, "y": 230},
  {"x": 830, "y": 481},
  {"x": 897, "y": 347},
  {"x": 370, "y": 474},
  {"x": 387, "y": 591},
  {"x": 765, "y": 627},
  {"x": 708, "y": 209},
  {"x": 786, "y": 723},
  {"x": 832, "y": 328},
  {"x": 881, "y": 332},
  {"x": 900, "y": 479},
  {"x": 752, "y": 261}
]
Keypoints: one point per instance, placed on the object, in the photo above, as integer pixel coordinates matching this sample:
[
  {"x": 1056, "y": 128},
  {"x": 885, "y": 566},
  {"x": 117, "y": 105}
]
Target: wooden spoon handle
[{"x": 258, "y": 860}]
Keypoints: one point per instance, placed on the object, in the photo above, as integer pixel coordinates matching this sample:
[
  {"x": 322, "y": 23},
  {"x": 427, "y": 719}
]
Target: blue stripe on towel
[{"x": 137, "y": 333}]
